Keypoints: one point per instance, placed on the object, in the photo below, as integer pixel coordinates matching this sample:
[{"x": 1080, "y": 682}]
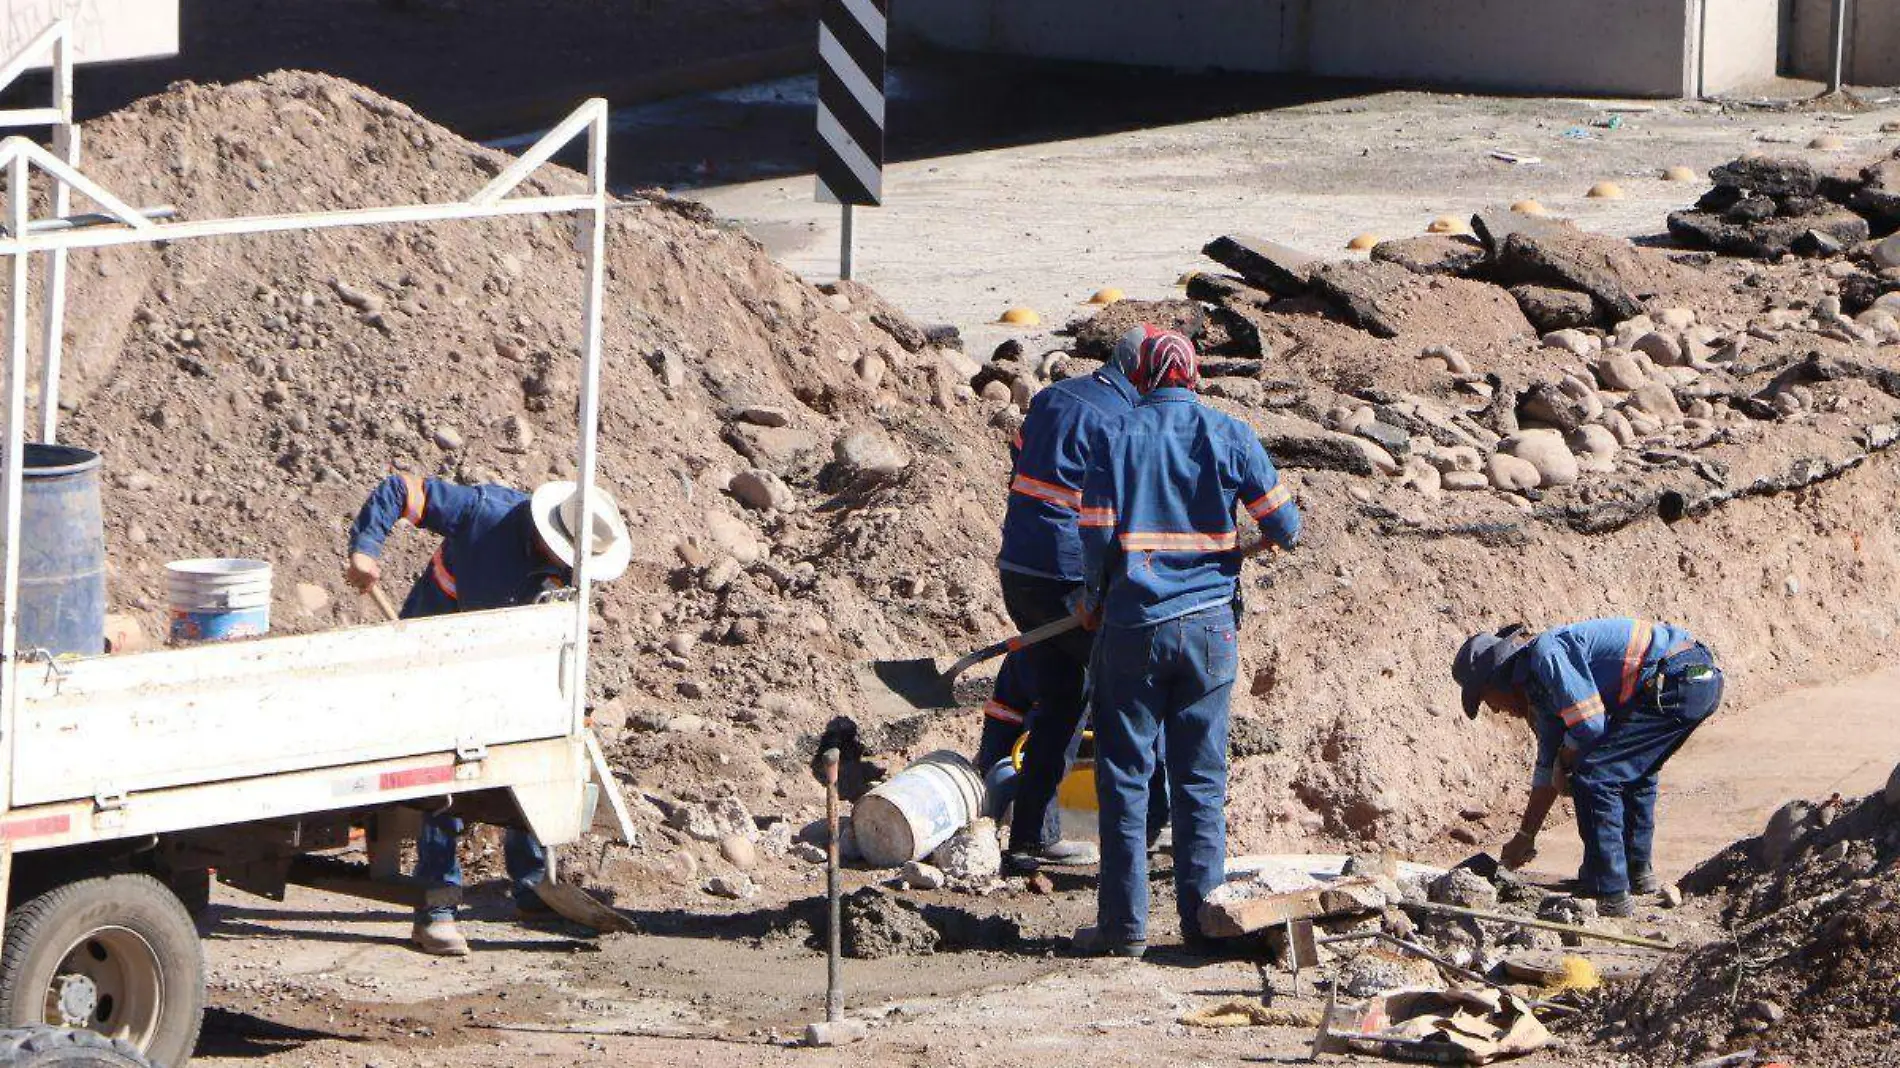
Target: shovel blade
[
  {"x": 577, "y": 905},
  {"x": 920, "y": 683}
]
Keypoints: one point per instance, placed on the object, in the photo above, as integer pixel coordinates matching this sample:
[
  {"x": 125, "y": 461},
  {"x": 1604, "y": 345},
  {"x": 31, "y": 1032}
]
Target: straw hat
[{"x": 556, "y": 508}]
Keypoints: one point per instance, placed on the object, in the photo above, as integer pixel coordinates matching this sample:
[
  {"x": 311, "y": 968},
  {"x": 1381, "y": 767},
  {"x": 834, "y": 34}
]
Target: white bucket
[
  {"x": 211, "y": 600},
  {"x": 907, "y": 817}
]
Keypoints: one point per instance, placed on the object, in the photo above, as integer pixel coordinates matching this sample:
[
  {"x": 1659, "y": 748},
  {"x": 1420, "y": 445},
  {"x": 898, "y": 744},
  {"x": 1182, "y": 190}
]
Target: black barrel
[{"x": 63, "y": 552}]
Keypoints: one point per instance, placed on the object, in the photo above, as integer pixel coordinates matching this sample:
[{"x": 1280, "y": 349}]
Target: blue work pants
[
  {"x": 438, "y": 866},
  {"x": 1058, "y": 670},
  {"x": 1614, "y": 784},
  {"x": 1162, "y": 695}
]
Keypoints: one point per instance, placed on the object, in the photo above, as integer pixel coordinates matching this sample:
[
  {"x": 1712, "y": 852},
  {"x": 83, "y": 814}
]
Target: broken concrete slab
[
  {"x": 1495, "y": 225},
  {"x": 1588, "y": 263},
  {"x": 1433, "y": 254},
  {"x": 1769, "y": 239},
  {"x": 1227, "y": 291},
  {"x": 1296, "y": 444},
  {"x": 1774, "y": 177},
  {"x": 1551, "y": 309},
  {"x": 1364, "y": 293},
  {"x": 1271, "y": 266}
]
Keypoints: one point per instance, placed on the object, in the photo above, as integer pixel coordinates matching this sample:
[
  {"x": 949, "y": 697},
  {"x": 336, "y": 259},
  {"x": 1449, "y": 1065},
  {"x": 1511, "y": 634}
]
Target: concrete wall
[
  {"x": 1873, "y": 41},
  {"x": 1609, "y": 47},
  {"x": 102, "y": 29}
]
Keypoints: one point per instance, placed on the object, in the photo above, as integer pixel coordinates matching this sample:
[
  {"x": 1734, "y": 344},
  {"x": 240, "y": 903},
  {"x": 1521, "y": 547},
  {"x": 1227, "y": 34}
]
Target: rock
[
  {"x": 1549, "y": 403},
  {"x": 1375, "y": 457},
  {"x": 762, "y": 491},
  {"x": 1618, "y": 370},
  {"x": 810, "y": 852},
  {"x": 1374, "y": 971},
  {"x": 1768, "y": 1012},
  {"x": 1455, "y": 362},
  {"x": 868, "y": 455},
  {"x": 1320, "y": 450},
  {"x": 668, "y": 365},
  {"x": 1768, "y": 239},
  {"x": 682, "y": 643},
  {"x": 972, "y": 856},
  {"x": 1671, "y": 896},
  {"x": 1511, "y": 474},
  {"x": 1394, "y": 441},
  {"x": 514, "y": 435},
  {"x": 1463, "y": 888},
  {"x": 739, "y": 851},
  {"x": 1773, "y": 177},
  {"x": 1816, "y": 244},
  {"x": 1494, "y": 227},
  {"x": 870, "y": 368},
  {"x": 1364, "y": 293},
  {"x": 733, "y": 887},
  {"x": 311, "y": 598},
  {"x": 1554, "y": 309},
  {"x": 1676, "y": 318},
  {"x": 876, "y": 925},
  {"x": 1603, "y": 267},
  {"x": 763, "y": 415},
  {"x": 361, "y": 299},
  {"x": 1887, "y": 252},
  {"x": 1892, "y": 793},
  {"x": 695, "y": 821},
  {"x": 1787, "y": 827},
  {"x": 1265, "y": 264},
  {"x": 1464, "y": 481},
  {"x": 1658, "y": 402},
  {"x": 1421, "y": 476},
  {"x": 1544, "y": 450},
  {"x": 1575, "y": 342},
  {"x": 917, "y": 875},
  {"x": 1432, "y": 254},
  {"x": 996, "y": 391},
  {"x": 1661, "y": 349},
  {"x": 1595, "y": 446},
  {"x": 682, "y": 866}
]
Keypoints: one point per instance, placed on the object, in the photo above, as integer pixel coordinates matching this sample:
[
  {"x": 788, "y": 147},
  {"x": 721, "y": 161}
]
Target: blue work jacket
[
  {"x": 490, "y": 556},
  {"x": 1048, "y": 460},
  {"x": 1584, "y": 676},
  {"x": 1157, "y": 521}
]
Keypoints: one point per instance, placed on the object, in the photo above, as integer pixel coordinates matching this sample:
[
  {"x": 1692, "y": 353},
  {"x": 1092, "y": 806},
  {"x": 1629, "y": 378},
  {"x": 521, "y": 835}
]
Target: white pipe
[
  {"x": 1837, "y": 70},
  {"x": 593, "y": 303},
  {"x": 53, "y": 311},
  {"x": 11, "y": 484}
]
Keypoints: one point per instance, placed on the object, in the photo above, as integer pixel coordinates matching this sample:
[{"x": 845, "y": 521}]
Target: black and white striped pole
[{"x": 851, "y": 60}]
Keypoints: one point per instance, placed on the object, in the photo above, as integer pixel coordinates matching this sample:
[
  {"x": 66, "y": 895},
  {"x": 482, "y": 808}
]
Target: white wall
[{"x": 102, "y": 29}]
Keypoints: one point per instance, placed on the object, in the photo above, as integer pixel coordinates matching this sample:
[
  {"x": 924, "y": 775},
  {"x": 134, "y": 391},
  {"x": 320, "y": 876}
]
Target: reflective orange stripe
[
  {"x": 1190, "y": 542},
  {"x": 417, "y": 501},
  {"x": 1270, "y": 502},
  {"x": 1047, "y": 491},
  {"x": 1633, "y": 657},
  {"x": 1098, "y": 517},
  {"x": 440, "y": 569},
  {"x": 1001, "y": 712},
  {"x": 1587, "y": 709}
]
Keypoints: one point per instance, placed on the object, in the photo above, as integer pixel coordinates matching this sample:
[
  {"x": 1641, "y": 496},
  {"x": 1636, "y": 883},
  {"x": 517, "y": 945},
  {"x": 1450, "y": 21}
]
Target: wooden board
[{"x": 1241, "y": 916}]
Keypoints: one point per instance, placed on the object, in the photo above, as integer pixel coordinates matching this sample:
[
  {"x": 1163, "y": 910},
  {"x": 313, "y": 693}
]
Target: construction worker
[
  {"x": 1610, "y": 700},
  {"x": 1040, "y": 567},
  {"x": 1163, "y": 565},
  {"x": 500, "y": 547}
]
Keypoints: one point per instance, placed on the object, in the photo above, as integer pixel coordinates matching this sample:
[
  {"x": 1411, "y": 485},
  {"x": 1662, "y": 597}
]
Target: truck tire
[
  {"x": 59, "y": 1047},
  {"x": 115, "y": 954}
]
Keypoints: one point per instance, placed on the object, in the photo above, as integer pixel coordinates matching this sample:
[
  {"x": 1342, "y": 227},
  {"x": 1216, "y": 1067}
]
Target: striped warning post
[{"x": 851, "y": 49}]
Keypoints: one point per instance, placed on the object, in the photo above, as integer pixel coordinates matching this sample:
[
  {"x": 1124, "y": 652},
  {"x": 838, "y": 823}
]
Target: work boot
[
  {"x": 1616, "y": 906},
  {"x": 1089, "y": 942},
  {"x": 1644, "y": 881},
  {"x": 439, "y": 938},
  {"x": 1062, "y": 854}
]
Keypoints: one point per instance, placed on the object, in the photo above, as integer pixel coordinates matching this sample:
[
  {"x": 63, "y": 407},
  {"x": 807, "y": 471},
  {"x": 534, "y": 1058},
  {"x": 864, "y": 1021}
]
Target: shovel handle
[
  {"x": 1010, "y": 645},
  {"x": 382, "y": 601}
]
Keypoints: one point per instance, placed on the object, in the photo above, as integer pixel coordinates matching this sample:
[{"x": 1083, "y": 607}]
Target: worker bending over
[
  {"x": 500, "y": 547},
  {"x": 1040, "y": 568},
  {"x": 1163, "y": 565},
  {"x": 1611, "y": 700}
]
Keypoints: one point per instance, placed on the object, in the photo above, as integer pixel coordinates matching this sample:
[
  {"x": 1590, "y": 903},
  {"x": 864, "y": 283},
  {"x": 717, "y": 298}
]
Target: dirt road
[{"x": 326, "y": 981}]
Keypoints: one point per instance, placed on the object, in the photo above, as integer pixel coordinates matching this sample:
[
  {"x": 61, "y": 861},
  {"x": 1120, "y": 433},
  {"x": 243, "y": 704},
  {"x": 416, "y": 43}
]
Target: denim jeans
[
  {"x": 1058, "y": 671},
  {"x": 438, "y": 866},
  {"x": 1162, "y": 695},
  {"x": 1614, "y": 784}
]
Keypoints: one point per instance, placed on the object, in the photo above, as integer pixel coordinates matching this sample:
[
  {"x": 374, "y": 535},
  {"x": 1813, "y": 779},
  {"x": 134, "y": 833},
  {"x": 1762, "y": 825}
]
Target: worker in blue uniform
[
  {"x": 1610, "y": 701},
  {"x": 1163, "y": 562},
  {"x": 1040, "y": 567},
  {"x": 500, "y": 547}
]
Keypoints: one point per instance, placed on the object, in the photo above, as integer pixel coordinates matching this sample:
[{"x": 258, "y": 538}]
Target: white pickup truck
[{"x": 127, "y": 780}]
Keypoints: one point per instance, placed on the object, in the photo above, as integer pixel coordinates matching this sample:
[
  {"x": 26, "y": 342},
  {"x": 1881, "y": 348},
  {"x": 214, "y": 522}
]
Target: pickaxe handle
[
  {"x": 1010, "y": 645},
  {"x": 383, "y": 602}
]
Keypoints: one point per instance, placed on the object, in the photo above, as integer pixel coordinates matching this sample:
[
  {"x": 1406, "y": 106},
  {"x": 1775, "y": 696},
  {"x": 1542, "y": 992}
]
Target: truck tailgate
[{"x": 174, "y": 717}]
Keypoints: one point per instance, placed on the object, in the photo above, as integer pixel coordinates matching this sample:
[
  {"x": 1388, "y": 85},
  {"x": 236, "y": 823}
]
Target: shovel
[{"x": 923, "y": 684}]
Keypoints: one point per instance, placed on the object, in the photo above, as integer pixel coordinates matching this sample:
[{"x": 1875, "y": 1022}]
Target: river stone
[
  {"x": 1662, "y": 350},
  {"x": 1658, "y": 402},
  {"x": 1511, "y": 474},
  {"x": 1575, "y": 342},
  {"x": 1545, "y": 450},
  {"x": 1619, "y": 426},
  {"x": 1629, "y": 330},
  {"x": 1464, "y": 481},
  {"x": 1595, "y": 447},
  {"x": 1617, "y": 370}
]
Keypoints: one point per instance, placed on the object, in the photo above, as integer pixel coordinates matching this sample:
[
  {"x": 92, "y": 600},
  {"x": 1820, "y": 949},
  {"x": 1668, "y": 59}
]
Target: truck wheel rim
[{"x": 109, "y": 981}]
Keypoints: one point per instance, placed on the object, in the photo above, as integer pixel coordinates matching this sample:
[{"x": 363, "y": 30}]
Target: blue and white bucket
[
  {"x": 217, "y": 600},
  {"x": 911, "y": 814}
]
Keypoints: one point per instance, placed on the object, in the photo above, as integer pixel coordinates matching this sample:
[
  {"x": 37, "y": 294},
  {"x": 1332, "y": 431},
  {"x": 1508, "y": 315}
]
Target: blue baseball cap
[{"x": 1482, "y": 658}]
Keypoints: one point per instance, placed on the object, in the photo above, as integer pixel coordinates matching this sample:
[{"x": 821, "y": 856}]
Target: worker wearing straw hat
[{"x": 500, "y": 547}]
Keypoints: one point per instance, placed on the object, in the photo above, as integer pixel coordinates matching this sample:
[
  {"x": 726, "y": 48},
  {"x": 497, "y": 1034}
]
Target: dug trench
[{"x": 815, "y": 479}]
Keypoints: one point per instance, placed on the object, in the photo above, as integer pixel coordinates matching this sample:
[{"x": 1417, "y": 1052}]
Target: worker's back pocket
[{"x": 1220, "y": 651}]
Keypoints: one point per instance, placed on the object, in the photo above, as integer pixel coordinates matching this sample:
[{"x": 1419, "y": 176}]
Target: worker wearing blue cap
[{"x": 1610, "y": 700}]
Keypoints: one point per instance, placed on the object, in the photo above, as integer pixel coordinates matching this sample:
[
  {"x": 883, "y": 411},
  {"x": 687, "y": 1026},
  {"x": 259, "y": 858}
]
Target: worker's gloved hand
[
  {"x": 1519, "y": 851},
  {"x": 364, "y": 571}
]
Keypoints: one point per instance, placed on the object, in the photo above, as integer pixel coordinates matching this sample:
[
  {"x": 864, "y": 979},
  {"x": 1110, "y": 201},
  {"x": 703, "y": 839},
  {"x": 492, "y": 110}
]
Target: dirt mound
[
  {"x": 813, "y": 480},
  {"x": 1810, "y": 970}
]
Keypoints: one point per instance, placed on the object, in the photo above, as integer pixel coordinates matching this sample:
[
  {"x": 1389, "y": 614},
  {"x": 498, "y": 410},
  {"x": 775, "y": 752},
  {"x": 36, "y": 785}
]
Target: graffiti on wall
[{"x": 102, "y": 29}]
